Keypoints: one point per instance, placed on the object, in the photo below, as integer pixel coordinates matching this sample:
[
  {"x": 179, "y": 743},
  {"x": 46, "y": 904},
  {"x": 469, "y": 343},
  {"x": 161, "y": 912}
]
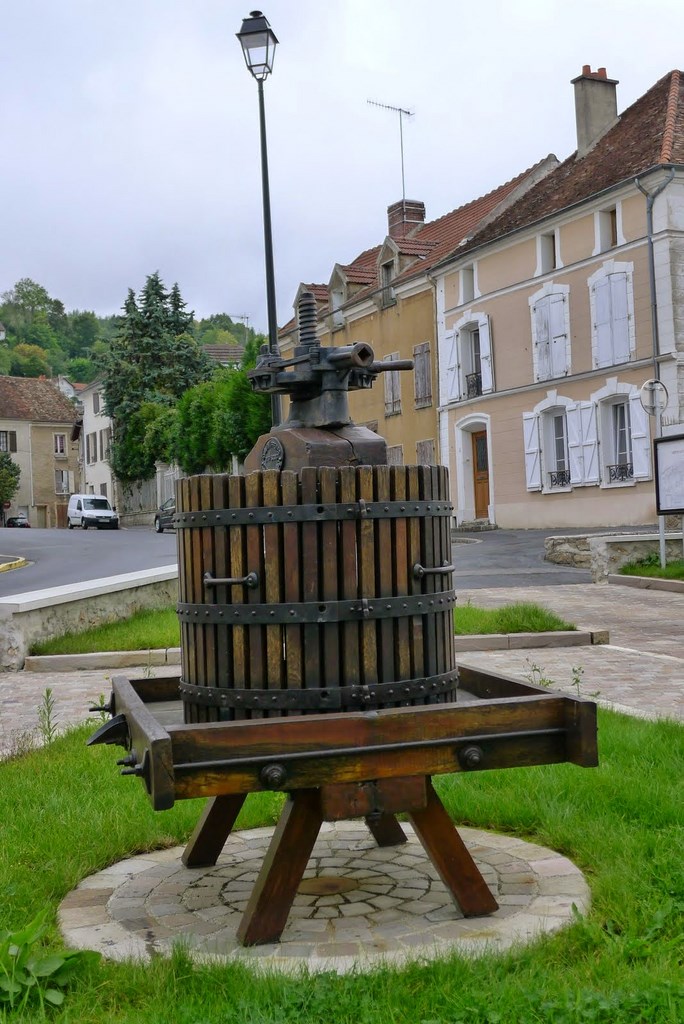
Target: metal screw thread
[{"x": 306, "y": 316}]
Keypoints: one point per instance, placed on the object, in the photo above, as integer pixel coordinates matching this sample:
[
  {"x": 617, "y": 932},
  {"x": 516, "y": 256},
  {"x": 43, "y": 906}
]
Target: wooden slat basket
[{"x": 323, "y": 590}]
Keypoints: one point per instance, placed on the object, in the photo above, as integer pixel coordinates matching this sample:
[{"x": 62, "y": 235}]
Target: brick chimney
[
  {"x": 405, "y": 217},
  {"x": 595, "y": 107}
]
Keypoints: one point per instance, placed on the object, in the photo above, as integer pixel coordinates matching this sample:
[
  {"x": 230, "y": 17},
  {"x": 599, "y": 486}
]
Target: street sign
[{"x": 669, "y": 474}]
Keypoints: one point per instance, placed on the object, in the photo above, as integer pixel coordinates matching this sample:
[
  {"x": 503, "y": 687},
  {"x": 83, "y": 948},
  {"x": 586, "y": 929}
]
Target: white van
[{"x": 91, "y": 510}]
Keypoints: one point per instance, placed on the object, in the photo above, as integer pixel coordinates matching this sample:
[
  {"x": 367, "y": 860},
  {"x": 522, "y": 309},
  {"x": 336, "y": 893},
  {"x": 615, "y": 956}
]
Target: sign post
[{"x": 654, "y": 397}]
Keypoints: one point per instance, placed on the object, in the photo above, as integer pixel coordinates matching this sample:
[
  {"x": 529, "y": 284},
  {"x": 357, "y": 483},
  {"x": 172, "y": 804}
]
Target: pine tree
[{"x": 148, "y": 363}]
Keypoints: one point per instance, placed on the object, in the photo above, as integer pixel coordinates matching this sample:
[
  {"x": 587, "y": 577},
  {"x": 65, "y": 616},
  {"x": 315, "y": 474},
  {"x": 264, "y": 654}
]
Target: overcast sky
[{"x": 131, "y": 135}]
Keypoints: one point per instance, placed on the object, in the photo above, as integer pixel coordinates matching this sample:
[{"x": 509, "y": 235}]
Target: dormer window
[
  {"x": 336, "y": 301},
  {"x": 386, "y": 276}
]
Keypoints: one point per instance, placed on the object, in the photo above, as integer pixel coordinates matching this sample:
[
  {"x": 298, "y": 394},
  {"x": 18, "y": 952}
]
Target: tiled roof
[
  {"x": 434, "y": 240},
  {"x": 649, "y": 133},
  {"x": 224, "y": 354},
  {"x": 35, "y": 400}
]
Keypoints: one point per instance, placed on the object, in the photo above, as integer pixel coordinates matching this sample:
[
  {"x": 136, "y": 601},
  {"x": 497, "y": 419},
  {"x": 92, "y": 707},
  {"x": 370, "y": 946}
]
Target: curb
[
  {"x": 18, "y": 563},
  {"x": 102, "y": 659},
  {"x": 172, "y": 655},
  {"x": 647, "y": 583}
]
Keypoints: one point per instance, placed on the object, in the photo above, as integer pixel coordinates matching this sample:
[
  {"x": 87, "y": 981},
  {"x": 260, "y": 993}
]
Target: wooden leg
[
  {"x": 449, "y": 854},
  {"x": 281, "y": 872},
  {"x": 212, "y": 830},
  {"x": 385, "y": 829}
]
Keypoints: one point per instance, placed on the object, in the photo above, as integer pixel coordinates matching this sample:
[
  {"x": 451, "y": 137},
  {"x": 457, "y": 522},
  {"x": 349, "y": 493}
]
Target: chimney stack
[
  {"x": 595, "y": 107},
  {"x": 405, "y": 217}
]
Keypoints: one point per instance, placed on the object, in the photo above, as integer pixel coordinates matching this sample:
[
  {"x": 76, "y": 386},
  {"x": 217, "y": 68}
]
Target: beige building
[
  {"x": 385, "y": 297},
  {"x": 552, "y": 316},
  {"x": 36, "y": 423}
]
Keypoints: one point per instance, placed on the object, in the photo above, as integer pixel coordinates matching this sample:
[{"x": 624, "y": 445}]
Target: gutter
[{"x": 650, "y": 202}]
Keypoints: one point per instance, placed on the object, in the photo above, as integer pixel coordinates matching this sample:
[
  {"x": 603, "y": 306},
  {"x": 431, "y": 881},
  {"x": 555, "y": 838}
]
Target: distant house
[
  {"x": 3, "y": 332},
  {"x": 95, "y": 437},
  {"x": 69, "y": 388},
  {"x": 386, "y": 297},
  {"x": 225, "y": 355},
  {"x": 552, "y": 315},
  {"x": 36, "y": 425}
]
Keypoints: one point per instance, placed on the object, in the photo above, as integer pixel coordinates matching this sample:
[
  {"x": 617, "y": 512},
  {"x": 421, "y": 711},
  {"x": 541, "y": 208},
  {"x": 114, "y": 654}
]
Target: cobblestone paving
[
  {"x": 394, "y": 907},
  {"x": 641, "y": 671}
]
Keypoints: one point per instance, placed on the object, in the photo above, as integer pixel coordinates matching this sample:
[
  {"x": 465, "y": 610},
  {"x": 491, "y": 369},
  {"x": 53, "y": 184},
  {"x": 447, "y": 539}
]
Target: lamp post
[{"x": 258, "y": 43}]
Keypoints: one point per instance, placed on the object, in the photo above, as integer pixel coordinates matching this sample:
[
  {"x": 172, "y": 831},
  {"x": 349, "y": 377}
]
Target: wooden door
[{"x": 480, "y": 474}]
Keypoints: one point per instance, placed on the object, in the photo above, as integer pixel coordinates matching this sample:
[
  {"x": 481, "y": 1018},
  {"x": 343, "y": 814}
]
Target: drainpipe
[{"x": 650, "y": 202}]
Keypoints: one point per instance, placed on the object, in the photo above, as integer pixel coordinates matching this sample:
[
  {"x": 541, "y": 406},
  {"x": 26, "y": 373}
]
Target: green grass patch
[
  {"x": 520, "y": 617},
  {"x": 153, "y": 629},
  {"x": 650, "y": 566},
  {"x": 159, "y": 629},
  {"x": 67, "y": 813}
]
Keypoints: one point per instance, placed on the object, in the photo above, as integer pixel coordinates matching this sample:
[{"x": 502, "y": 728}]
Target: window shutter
[
  {"x": 12, "y": 440},
  {"x": 620, "y": 317},
  {"x": 392, "y": 388},
  {"x": 572, "y": 419},
  {"x": 423, "y": 375},
  {"x": 589, "y": 438},
  {"x": 450, "y": 391},
  {"x": 486, "y": 368},
  {"x": 532, "y": 451},
  {"x": 541, "y": 321},
  {"x": 641, "y": 438},
  {"x": 558, "y": 338},
  {"x": 603, "y": 354},
  {"x": 71, "y": 482}
]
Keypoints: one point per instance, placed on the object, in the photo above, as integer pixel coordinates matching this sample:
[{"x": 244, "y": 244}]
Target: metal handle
[
  {"x": 251, "y": 580},
  {"x": 419, "y": 571}
]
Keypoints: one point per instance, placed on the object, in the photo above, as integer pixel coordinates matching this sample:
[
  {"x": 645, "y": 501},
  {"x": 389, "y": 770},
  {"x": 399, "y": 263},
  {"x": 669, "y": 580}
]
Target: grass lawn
[
  {"x": 66, "y": 813},
  {"x": 159, "y": 629},
  {"x": 650, "y": 566}
]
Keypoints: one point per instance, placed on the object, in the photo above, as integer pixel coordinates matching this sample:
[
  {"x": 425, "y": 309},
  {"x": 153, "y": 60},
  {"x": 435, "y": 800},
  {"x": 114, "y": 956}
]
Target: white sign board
[{"x": 669, "y": 466}]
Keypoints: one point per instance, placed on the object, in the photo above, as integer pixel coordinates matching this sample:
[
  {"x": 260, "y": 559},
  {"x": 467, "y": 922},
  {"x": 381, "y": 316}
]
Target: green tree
[
  {"x": 148, "y": 363},
  {"x": 10, "y": 474},
  {"x": 221, "y": 419},
  {"x": 29, "y": 361},
  {"x": 84, "y": 330}
]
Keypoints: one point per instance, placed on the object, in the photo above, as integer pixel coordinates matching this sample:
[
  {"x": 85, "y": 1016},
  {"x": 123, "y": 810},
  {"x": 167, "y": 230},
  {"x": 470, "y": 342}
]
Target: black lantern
[{"x": 258, "y": 43}]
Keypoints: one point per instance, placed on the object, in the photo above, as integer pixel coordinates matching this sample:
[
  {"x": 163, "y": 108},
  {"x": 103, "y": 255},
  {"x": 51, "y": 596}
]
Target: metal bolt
[{"x": 471, "y": 757}]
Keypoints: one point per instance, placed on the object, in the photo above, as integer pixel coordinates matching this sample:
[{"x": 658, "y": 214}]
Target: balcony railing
[
  {"x": 560, "y": 478},
  {"x": 473, "y": 384},
  {"x": 623, "y": 471}
]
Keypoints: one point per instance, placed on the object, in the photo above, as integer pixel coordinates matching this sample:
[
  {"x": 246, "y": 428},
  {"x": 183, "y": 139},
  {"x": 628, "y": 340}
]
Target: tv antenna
[
  {"x": 245, "y": 321},
  {"x": 402, "y": 114}
]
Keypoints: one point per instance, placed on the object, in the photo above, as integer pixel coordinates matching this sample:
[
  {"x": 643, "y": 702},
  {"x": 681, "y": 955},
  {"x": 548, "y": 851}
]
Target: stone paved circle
[{"x": 396, "y": 910}]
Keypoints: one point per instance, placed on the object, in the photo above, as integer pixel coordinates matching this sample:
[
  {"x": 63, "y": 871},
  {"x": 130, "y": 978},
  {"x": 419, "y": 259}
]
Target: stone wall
[
  {"x": 26, "y": 618},
  {"x": 607, "y": 553}
]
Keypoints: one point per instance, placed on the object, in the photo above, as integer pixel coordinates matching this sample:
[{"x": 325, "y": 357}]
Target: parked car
[
  {"x": 163, "y": 519},
  {"x": 91, "y": 510},
  {"x": 20, "y": 521}
]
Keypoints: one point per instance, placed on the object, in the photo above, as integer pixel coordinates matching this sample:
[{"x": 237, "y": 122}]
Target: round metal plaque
[
  {"x": 272, "y": 454},
  {"x": 653, "y": 396}
]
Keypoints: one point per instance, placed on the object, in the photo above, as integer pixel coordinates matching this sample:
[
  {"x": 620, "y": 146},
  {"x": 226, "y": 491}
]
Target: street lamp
[{"x": 258, "y": 43}]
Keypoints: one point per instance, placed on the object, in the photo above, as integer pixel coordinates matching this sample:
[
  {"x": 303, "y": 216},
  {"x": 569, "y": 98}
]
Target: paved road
[
  {"x": 58, "y": 557},
  {"x": 509, "y": 558},
  {"x": 492, "y": 558}
]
